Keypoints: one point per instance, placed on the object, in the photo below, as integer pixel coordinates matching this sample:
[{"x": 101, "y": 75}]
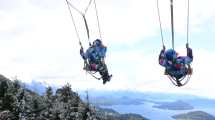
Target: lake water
[{"x": 152, "y": 113}]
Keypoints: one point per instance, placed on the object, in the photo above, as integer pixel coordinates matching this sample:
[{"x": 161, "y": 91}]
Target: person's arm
[
  {"x": 83, "y": 55},
  {"x": 161, "y": 59},
  {"x": 102, "y": 52},
  {"x": 189, "y": 52},
  {"x": 189, "y": 57}
]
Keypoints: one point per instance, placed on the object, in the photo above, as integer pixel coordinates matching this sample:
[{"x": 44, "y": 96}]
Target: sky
[{"x": 39, "y": 43}]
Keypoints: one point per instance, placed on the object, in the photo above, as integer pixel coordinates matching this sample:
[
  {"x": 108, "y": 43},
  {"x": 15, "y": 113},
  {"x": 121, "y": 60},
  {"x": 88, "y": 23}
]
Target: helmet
[
  {"x": 170, "y": 54},
  {"x": 97, "y": 42}
]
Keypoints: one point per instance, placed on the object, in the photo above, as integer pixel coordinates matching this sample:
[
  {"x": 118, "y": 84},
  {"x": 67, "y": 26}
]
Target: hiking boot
[
  {"x": 107, "y": 79},
  {"x": 178, "y": 83},
  {"x": 104, "y": 81}
]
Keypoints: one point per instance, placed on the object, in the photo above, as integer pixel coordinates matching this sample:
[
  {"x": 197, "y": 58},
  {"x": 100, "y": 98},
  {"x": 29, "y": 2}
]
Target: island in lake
[
  {"x": 194, "y": 115},
  {"x": 177, "y": 105}
]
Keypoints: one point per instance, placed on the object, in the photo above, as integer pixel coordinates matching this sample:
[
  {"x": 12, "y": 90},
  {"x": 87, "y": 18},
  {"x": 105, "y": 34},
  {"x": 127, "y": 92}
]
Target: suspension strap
[
  {"x": 87, "y": 29},
  {"x": 161, "y": 30},
  {"x": 98, "y": 20},
  {"x": 172, "y": 23},
  {"x": 85, "y": 21},
  {"x": 188, "y": 15}
]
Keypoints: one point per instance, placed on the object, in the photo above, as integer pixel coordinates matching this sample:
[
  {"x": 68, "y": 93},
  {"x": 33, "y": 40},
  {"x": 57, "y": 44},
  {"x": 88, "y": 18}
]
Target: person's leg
[
  {"x": 87, "y": 66},
  {"x": 93, "y": 67},
  {"x": 103, "y": 71}
]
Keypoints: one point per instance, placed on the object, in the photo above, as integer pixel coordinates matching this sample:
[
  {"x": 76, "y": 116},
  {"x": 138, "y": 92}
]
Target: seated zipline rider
[
  {"x": 95, "y": 59},
  {"x": 176, "y": 66}
]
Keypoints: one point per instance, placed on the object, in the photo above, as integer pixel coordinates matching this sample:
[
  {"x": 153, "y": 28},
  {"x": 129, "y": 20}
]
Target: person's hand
[
  {"x": 103, "y": 61},
  {"x": 164, "y": 47},
  {"x": 187, "y": 45},
  {"x": 81, "y": 50}
]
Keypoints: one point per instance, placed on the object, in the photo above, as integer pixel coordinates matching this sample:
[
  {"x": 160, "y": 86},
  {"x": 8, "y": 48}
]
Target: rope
[
  {"x": 161, "y": 31},
  {"x": 87, "y": 7},
  {"x": 97, "y": 19},
  {"x": 70, "y": 4},
  {"x": 172, "y": 22},
  {"x": 86, "y": 26},
  {"x": 73, "y": 21},
  {"x": 98, "y": 78},
  {"x": 188, "y": 14},
  {"x": 85, "y": 21},
  {"x": 173, "y": 80},
  {"x": 183, "y": 80}
]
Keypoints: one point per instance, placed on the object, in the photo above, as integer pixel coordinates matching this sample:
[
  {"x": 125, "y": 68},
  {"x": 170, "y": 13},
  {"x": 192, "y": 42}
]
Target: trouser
[
  {"x": 99, "y": 67},
  {"x": 178, "y": 74}
]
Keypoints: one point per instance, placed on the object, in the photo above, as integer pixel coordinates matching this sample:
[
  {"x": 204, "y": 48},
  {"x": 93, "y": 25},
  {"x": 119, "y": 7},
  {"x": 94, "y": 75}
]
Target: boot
[
  {"x": 105, "y": 76},
  {"x": 178, "y": 83}
]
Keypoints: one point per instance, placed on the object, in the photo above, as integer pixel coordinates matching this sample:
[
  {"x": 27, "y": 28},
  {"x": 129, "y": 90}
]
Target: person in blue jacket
[
  {"x": 95, "y": 55},
  {"x": 176, "y": 66}
]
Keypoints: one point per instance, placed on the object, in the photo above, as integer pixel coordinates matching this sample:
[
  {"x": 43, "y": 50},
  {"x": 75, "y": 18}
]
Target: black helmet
[
  {"x": 97, "y": 42},
  {"x": 170, "y": 54}
]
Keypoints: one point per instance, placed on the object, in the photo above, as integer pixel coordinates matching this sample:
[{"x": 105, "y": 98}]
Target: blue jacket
[
  {"x": 176, "y": 66},
  {"x": 94, "y": 53},
  {"x": 165, "y": 56}
]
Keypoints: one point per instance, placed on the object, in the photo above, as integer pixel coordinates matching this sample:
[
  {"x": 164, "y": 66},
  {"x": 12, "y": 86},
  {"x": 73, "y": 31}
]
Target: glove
[
  {"x": 164, "y": 47},
  {"x": 187, "y": 45},
  {"x": 81, "y": 50}
]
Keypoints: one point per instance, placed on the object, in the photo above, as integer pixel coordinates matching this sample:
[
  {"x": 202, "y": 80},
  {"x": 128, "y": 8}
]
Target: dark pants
[
  {"x": 177, "y": 73},
  {"x": 100, "y": 67}
]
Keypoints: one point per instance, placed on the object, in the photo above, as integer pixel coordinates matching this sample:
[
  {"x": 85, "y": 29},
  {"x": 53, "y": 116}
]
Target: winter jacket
[
  {"x": 176, "y": 66},
  {"x": 94, "y": 53}
]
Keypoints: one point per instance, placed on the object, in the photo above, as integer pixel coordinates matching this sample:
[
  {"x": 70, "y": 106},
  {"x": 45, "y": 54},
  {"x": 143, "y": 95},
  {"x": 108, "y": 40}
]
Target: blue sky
[{"x": 38, "y": 42}]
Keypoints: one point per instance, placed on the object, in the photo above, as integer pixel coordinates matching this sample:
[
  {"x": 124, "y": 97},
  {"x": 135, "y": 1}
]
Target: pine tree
[
  {"x": 35, "y": 109},
  {"x": 48, "y": 101},
  {"x": 3, "y": 88},
  {"x": 21, "y": 105}
]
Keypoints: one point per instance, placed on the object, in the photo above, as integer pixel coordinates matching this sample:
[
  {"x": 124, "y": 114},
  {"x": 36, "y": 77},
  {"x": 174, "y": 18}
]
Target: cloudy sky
[{"x": 38, "y": 42}]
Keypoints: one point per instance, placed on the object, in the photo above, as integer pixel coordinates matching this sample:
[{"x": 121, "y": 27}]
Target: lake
[{"x": 152, "y": 113}]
